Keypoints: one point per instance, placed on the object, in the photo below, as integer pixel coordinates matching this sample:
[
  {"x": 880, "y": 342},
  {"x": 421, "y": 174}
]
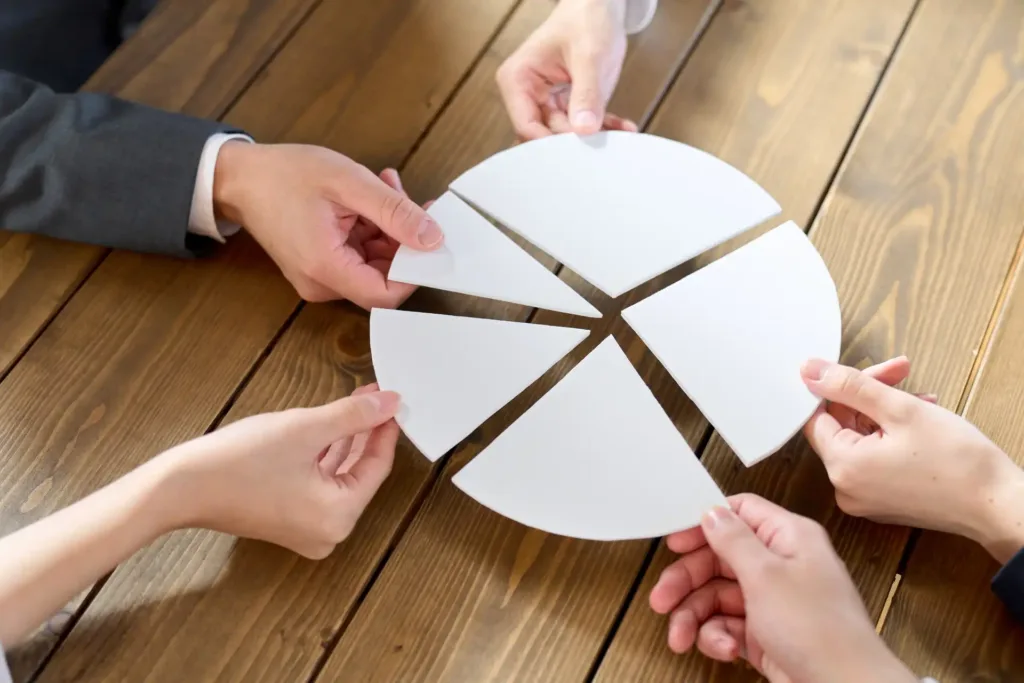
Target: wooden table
[{"x": 892, "y": 129}]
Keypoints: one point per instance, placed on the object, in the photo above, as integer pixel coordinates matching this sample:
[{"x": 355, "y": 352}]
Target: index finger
[
  {"x": 363, "y": 283},
  {"x": 773, "y": 525},
  {"x": 523, "y": 110}
]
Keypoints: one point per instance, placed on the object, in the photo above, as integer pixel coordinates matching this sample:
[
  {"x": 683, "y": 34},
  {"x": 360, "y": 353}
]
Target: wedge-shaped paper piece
[
  {"x": 735, "y": 333},
  {"x": 477, "y": 259},
  {"x": 453, "y": 373},
  {"x": 595, "y": 458},
  {"x": 618, "y": 208}
]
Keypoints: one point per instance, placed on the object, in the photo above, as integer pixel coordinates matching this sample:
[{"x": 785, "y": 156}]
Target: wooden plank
[
  {"x": 944, "y": 621},
  {"x": 272, "y": 612},
  {"x": 933, "y": 171},
  {"x": 484, "y": 599},
  {"x": 159, "y": 66},
  {"x": 160, "y": 366},
  {"x": 82, "y": 660}
]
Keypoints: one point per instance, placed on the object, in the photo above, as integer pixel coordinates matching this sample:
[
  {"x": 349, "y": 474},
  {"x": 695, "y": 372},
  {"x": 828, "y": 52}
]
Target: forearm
[{"x": 46, "y": 564}]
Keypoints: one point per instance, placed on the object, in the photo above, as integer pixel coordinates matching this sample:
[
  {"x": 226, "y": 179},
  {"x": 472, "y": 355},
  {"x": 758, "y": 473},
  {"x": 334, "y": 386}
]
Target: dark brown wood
[
  {"x": 900, "y": 231},
  {"x": 83, "y": 657},
  {"x": 160, "y": 66},
  {"x": 469, "y": 595},
  {"x": 148, "y": 370},
  {"x": 273, "y": 612}
]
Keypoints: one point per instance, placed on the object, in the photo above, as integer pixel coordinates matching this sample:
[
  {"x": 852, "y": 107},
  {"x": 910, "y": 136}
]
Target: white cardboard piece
[
  {"x": 595, "y": 458},
  {"x": 453, "y": 373},
  {"x": 734, "y": 334},
  {"x": 618, "y": 208},
  {"x": 477, "y": 259}
]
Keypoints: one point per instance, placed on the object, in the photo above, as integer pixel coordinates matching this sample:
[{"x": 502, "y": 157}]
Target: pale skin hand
[
  {"x": 561, "y": 78},
  {"x": 896, "y": 459},
  {"x": 759, "y": 582},
  {"x": 299, "y": 478},
  {"x": 330, "y": 224}
]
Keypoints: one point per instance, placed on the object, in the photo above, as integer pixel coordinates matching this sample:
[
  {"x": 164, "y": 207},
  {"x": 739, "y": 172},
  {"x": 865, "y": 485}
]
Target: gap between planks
[
  {"x": 855, "y": 135},
  {"x": 439, "y": 466}
]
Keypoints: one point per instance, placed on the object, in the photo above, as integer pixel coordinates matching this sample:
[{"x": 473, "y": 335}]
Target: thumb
[
  {"x": 350, "y": 416},
  {"x": 855, "y": 389},
  {"x": 586, "y": 101},
  {"x": 392, "y": 211},
  {"x": 735, "y": 543}
]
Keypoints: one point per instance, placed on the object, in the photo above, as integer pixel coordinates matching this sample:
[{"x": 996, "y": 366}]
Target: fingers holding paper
[{"x": 759, "y": 582}]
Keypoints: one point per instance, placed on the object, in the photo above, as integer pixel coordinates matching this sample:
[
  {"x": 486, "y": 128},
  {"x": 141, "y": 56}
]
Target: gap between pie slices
[
  {"x": 595, "y": 458},
  {"x": 732, "y": 334},
  {"x": 479, "y": 260}
]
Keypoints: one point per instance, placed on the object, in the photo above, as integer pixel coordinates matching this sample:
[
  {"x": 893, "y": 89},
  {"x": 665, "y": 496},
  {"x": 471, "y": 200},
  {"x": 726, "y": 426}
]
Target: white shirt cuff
[
  {"x": 201, "y": 220},
  {"x": 639, "y": 14}
]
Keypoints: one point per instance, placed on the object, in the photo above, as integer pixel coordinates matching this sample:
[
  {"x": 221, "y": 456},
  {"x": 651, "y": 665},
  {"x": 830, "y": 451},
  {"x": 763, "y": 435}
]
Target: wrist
[
  {"x": 229, "y": 185},
  {"x": 999, "y": 522},
  {"x": 873, "y": 661},
  {"x": 173, "y": 491}
]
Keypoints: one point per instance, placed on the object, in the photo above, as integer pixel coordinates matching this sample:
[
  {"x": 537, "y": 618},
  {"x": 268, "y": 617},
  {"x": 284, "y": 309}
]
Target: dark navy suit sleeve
[
  {"x": 93, "y": 168},
  {"x": 1008, "y": 585}
]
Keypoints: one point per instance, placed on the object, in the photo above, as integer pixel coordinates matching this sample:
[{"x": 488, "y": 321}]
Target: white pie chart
[{"x": 596, "y": 457}]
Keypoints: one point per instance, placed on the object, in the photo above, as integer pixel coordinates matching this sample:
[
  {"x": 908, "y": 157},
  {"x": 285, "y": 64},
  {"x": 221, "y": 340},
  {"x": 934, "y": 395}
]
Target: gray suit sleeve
[{"x": 93, "y": 168}]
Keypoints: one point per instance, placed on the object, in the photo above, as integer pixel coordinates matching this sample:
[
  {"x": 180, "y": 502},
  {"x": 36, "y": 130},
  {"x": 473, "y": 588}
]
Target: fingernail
[
  {"x": 398, "y": 179},
  {"x": 585, "y": 121},
  {"x": 815, "y": 369},
  {"x": 386, "y": 402},
  {"x": 931, "y": 398},
  {"x": 430, "y": 234},
  {"x": 630, "y": 126},
  {"x": 714, "y": 517}
]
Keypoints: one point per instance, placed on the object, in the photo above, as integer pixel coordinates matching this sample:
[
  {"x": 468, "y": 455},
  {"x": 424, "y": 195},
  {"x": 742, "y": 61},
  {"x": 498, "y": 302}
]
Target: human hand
[
  {"x": 561, "y": 78},
  {"x": 331, "y": 225},
  {"x": 298, "y": 478},
  {"x": 763, "y": 583},
  {"x": 897, "y": 459}
]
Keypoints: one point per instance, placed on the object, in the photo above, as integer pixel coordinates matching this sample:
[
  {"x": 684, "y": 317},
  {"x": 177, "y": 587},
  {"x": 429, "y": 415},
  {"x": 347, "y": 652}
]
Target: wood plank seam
[
  {"x": 634, "y": 588},
  {"x": 998, "y": 312},
  {"x": 441, "y": 464},
  {"x": 985, "y": 348},
  {"x": 458, "y": 84},
  {"x": 709, "y": 431},
  {"x": 251, "y": 372},
  {"x": 699, "y": 34},
  {"x": 4, "y": 372},
  {"x": 832, "y": 185}
]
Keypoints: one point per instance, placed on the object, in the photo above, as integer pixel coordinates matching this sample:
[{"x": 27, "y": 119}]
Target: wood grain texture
[
  {"x": 918, "y": 233},
  {"x": 273, "y": 614},
  {"x": 84, "y": 353},
  {"x": 144, "y": 357},
  {"x": 162, "y": 67},
  {"x": 944, "y": 621},
  {"x": 484, "y": 599},
  {"x": 363, "y": 104}
]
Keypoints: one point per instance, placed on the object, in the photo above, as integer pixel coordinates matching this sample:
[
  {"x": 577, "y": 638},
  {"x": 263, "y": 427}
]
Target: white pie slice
[
  {"x": 478, "y": 260},
  {"x": 618, "y": 208},
  {"x": 453, "y": 373},
  {"x": 595, "y": 458},
  {"x": 735, "y": 333}
]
